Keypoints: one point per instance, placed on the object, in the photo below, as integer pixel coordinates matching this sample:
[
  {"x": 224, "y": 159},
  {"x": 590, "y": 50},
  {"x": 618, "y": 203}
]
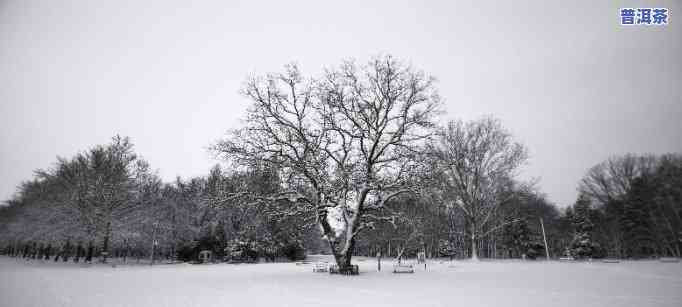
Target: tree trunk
[
  {"x": 88, "y": 256},
  {"x": 67, "y": 251},
  {"x": 474, "y": 246},
  {"x": 79, "y": 251},
  {"x": 40, "y": 252},
  {"x": 105, "y": 244},
  {"x": 343, "y": 259},
  {"x": 153, "y": 251},
  {"x": 48, "y": 251},
  {"x": 474, "y": 239},
  {"x": 401, "y": 250}
]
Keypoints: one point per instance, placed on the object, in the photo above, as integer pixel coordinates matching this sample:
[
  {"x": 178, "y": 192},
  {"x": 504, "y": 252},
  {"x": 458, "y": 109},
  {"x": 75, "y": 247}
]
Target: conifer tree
[
  {"x": 582, "y": 245},
  {"x": 635, "y": 222}
]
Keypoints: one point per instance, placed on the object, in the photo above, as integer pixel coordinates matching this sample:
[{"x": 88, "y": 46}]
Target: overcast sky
[{"x": 566, "y": 79}]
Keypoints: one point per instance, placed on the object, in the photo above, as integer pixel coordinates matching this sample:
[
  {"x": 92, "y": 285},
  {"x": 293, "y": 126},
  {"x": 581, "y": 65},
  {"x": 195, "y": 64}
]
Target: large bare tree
[
  {"x": 612, "y": 179},
  {"x": 476, "y": 161},
  {"x": 343, "y": 141}
]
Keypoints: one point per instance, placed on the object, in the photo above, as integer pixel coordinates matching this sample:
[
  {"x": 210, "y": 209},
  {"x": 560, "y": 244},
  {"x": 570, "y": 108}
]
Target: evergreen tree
[
  {"x": 582, "y": 245},
  {"x": 635, "y": 221},
  {"x": 520, "y": 240}
]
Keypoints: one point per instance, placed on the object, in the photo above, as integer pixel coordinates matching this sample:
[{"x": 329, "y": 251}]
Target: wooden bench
[
  {"x": 352, "y": 270},
  {"x": 668, "y": 259},
  {"x": 319, "y": 267},
  {"x": 403, "y": 268}
]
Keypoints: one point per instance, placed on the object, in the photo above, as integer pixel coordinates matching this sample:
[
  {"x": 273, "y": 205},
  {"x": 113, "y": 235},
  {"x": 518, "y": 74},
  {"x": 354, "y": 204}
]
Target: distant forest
[{"x": 349, "y": 163}]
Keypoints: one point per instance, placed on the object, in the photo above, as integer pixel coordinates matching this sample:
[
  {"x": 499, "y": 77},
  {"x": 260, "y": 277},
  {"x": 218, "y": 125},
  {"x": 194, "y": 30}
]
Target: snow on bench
[
  {"x": 566, "y": 259},
  {"x": 610, "y": 260},
  {"x": 319, "y": 267},
  {"x": 668, "y": 259},
  {"x": 403, "y": 268}
]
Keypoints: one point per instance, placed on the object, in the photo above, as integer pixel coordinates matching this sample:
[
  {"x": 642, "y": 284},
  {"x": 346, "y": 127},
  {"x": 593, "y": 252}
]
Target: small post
[{"x": 544, "y": 238}]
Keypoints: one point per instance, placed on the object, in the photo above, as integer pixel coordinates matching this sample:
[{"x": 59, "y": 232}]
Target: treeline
[
  {"x": 628, "y": 207},
  {"x": 631, "y": 207},
  {"x": 440, "y": 230},
  {"x": 107, "y": 202}
]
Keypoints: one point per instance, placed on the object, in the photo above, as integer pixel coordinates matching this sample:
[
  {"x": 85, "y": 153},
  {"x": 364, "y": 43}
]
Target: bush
[
  {"x": 187, "y": 252},
  {"x": 294, "y": 251},
  {"x": 535, "y": 250}
]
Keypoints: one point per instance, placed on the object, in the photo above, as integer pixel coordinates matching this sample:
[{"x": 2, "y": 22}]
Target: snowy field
[{"x": 461, "y": 283}]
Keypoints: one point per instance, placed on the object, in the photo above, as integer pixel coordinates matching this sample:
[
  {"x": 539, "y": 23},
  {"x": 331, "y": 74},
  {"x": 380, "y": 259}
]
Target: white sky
[{"x": 565, "y": 78}]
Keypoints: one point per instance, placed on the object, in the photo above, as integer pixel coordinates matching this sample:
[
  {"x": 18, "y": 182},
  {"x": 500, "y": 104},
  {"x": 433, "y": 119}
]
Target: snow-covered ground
[{"x": 461, "y": 283}]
